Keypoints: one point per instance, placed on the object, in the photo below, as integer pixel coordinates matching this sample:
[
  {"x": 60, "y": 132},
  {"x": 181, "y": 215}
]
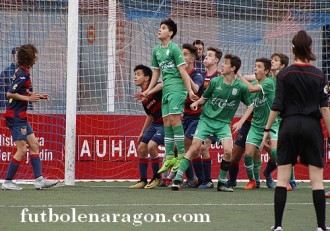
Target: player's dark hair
[
  {"x": 302, "y": 46},
  {"x": 191, "y": 48},
  {"x": 146, "y": 70},
  {"x": 27, "y": 55},
  {"x": 267, "y": 63},
  {"x": 235, "y": 61},
  {"x": 284, "y": 59},
  {"x": 218, "y": 52},
  {"x": 171, "y": 26},
  {"x": 198, "y": 42}
]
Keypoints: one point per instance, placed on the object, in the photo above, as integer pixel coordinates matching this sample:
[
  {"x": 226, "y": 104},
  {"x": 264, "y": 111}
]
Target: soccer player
[
  {"x": 301, "y": 101},
  {"x": 191, "y": 117},
  {"x": 152, "y": 133},
  {"x": 263, "y": 92},
  {"x": 168, "y": 58},
  {"x": 221, "y": 99},
  {"x": 16, "y": 120},
  {"x": 6, "y": 77},
  {"x": 199, "y": 62},
  {"x": 211, "y": 62}
]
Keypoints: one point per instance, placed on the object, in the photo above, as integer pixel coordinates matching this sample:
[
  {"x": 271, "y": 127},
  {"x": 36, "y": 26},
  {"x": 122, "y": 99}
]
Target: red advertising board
[{"x": 106, "y": 148}]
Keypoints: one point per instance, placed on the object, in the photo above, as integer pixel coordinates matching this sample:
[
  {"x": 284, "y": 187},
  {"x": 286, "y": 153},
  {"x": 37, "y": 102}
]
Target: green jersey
[
  {"x": 223, "y": 99},
  {"x": 168, "y": 59},
  {"x": 262, "y": 102}
]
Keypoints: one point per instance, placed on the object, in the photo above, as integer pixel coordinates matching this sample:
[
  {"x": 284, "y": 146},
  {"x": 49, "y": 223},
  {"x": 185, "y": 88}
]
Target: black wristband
[{"x": 269, "y": 130}]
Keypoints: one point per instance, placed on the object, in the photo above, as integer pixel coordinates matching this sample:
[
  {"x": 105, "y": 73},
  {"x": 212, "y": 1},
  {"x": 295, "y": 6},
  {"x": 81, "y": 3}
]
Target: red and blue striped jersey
[
  {"x": 197, "y": 78},
  {"x": 16, "y": 109},
  {"x": 153, "y": 106}
]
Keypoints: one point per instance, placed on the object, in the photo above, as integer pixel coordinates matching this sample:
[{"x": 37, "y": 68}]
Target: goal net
[{"x": 113, "y": 37}]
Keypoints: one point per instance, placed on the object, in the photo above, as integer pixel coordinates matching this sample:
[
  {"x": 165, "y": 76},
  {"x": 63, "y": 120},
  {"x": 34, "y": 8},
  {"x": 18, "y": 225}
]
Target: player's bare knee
[
  {"x": 143, "y": 150},
  {"x": 227, "y": 155}
]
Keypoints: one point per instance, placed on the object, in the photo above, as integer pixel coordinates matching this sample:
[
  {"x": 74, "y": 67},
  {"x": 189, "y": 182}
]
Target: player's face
[
  {"x": 200, "y": 50},
  {"x": 260, "y": 71},
  {"x": 188, "y": 57},
  {"x": 139, "y": 78},
  {"x": 276, "y": 63},
  {"x": 226, "y": 67},
  {"x": 164, "y": 32},
  {"x": 210, "y": 59}
]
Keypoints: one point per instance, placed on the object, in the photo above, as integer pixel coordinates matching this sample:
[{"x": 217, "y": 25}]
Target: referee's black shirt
[{"x": 300, "y": 89}]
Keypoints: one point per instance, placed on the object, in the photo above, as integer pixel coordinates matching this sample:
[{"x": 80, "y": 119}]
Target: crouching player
[{"x": 152, "y": 133}]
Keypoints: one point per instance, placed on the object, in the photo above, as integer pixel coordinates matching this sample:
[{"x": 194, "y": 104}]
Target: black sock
[
  {"x": 279, "y": 204},
  {"x": 319, "y": 205}
]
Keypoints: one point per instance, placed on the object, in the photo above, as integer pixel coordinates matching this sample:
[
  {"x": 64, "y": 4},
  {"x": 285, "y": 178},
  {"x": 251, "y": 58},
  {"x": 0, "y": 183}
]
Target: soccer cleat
[
  {"x": 327, "y": 194},
  {"x": 206, "y": 185},
  {"x": 258, "y": 184},
  {"x": 41, "y": 183},
  {"x": 164, "y": 183},
  {"x": 175, "y": 185},
  {"x": 190, "y": 183},
  {"x": 153, "y": 183},
  {"x": 167, "y": 165},
  {"x": 294, "y": 185},
  {"x": 250, "y": 185},
  {"x": 230, "y": 184},
  {"x": 279, "y": 228},
  {"x": 10, "y": 185},
  {"x": 269, "y": 180},
  {"x": 223, "y": 188},
  {"x": 138, "y": 185},
  {"x": 320, "y": 229}
]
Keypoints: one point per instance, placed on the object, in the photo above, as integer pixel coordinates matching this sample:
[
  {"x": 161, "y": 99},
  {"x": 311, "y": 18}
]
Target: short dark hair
[
  {"x": 302, "y": 46},
  {"x": 171, "y": 26},
  {"x": 284, "y": 59},
  {"x": 14, "y": 50},
  {"x": 267, "y": 63},
  {"x": 191, "y": 48},
  {"x": 235, "y": 61},
  {"x": 197, "y": 41},
  {"x": 218, "y": 52},
  {"x": 146, "y": 70},
  {"x": 26, "y": 55}
]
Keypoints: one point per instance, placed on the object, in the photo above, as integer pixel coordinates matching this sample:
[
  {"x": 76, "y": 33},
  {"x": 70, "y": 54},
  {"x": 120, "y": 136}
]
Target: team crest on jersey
[
  {"x": 234, "y": 91},
  {"x": 167, "y": 52},
  {"x": 23, "y": 131}
]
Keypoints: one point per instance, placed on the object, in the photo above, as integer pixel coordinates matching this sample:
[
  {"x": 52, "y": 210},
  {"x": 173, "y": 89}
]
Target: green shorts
[
  {"x": 256, "y": 135},
  {"x": 173, "y": 103},
  {"x": 220, "y": 129}
]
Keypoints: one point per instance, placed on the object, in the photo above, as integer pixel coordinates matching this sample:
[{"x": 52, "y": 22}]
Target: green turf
[{"x": 241, "y": 210}]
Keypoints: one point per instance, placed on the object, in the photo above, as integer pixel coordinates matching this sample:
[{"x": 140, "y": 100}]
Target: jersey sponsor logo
[
  {"x": 259, "y": 102},
  {"x": 234, "y": 91},
  {"x": 223, "y": 102}
]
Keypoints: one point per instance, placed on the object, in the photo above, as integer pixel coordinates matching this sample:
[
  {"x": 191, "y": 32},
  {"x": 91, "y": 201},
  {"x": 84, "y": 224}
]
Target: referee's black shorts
[{"x": 300, "y": 136}]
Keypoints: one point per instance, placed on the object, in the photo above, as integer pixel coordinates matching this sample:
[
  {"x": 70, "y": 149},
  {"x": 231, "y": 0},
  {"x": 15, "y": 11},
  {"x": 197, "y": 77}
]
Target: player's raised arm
[{"x": 186, "y": 80}]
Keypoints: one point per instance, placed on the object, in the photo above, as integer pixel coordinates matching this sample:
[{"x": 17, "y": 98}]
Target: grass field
[{"x": 241, "y": 210}]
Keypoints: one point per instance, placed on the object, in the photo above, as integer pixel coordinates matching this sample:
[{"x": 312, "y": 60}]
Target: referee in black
[{"x": 301, "y": 99}]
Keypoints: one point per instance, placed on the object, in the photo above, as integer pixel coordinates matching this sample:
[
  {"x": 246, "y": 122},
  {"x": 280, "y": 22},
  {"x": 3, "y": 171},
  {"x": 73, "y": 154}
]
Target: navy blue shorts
[
  {"x": 189, "y": 125},
  {"x": 154, "y": 132},
  {"x": 242, "y": 134},
  {"x": 20, "y": 132}
]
